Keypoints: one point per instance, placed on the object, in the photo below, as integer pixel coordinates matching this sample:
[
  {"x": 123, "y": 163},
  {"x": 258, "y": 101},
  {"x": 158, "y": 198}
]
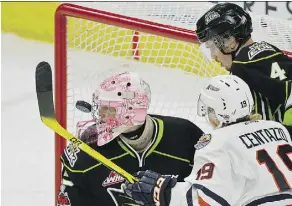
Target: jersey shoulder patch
[
  {"x": 203, "y": 141},
  {"x": 71, "y": 152},
  {"x": 259, "y": 47},
  {"x": 76, "y": 159}
]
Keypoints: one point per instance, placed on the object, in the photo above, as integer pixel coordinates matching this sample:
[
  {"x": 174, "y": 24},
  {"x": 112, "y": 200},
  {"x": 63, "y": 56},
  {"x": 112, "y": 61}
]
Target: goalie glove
[{"x": 152, "y": 189}]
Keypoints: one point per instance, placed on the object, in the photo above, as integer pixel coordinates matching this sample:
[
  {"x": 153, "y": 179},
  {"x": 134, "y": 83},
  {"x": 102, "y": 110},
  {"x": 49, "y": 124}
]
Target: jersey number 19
[{"x": 263, "y": 157}]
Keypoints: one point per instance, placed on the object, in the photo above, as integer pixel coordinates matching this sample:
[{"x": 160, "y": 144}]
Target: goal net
[{"x": 155, "y": 39}]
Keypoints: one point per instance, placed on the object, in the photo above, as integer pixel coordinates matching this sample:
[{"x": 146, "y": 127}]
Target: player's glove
[{"x": 152, "y": 189}]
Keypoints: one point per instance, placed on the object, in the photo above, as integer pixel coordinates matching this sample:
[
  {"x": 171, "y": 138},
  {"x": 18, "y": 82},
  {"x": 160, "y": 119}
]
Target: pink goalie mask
[{"x": 119, "y": 103}]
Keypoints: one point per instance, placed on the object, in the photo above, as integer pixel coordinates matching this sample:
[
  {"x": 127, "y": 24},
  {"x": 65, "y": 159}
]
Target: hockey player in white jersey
[{"x": 243, "y": 162}]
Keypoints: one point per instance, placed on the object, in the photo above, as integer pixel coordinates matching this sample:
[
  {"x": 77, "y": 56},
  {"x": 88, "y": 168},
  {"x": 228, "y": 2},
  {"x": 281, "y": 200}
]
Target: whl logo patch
[
  {"x": 203, "y": 141},
  {"x": 112, "y": 179}
]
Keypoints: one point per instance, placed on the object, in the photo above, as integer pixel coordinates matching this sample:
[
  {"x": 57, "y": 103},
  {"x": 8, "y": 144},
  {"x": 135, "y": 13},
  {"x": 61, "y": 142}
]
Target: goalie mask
[
  {"x": 225, "y": 100},
  {"x": 120, "y": 103}
]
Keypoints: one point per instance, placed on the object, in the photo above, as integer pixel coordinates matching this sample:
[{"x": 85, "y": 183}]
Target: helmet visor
[
  {"x": 201, "y": 107},
  {"x": 209, "y": 113},
  {"x": 214, "y": 47},
  {"x": 209, "y": 50}
]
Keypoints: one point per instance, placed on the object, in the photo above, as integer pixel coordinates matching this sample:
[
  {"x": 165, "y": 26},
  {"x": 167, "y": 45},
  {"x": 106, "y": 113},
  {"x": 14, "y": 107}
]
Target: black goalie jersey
[
  {"x": 86, "y": 182},
  {"x": 268, "y": 73}
]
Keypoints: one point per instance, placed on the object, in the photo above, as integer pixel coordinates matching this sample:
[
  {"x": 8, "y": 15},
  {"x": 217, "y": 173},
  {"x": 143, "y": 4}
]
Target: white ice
[{"x": 27, "y": 145}]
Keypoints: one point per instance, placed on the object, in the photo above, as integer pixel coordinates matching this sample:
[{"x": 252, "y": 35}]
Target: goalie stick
[{"x": 43, "y": 77}]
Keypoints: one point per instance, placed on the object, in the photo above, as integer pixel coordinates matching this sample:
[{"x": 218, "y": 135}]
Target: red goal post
[{"x": 140, "y": 47}]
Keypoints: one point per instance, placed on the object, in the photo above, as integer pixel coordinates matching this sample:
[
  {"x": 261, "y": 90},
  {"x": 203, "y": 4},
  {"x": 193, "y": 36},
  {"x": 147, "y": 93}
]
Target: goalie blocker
[{"x": 122, "y": 131}]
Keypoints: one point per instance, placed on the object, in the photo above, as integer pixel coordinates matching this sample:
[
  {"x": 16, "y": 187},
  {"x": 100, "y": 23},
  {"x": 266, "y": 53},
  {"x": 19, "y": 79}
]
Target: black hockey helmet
[{"x": 223, "y": 21}]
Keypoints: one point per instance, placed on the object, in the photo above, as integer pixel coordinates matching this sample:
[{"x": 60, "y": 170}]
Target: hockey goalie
[{"x": 123, "y": 132}]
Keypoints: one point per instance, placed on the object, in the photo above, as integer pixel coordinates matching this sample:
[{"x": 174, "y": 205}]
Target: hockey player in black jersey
[
  {"x": 122, "y": 131},
  {"x": 225, "y": 30}
]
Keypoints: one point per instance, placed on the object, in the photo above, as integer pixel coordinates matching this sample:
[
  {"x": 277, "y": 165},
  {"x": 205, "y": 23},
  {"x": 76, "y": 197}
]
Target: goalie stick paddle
[{"x": 44, "y": 89}]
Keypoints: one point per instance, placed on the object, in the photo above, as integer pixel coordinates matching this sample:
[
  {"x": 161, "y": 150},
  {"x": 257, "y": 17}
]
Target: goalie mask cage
[{"x": 158, "y": 41}]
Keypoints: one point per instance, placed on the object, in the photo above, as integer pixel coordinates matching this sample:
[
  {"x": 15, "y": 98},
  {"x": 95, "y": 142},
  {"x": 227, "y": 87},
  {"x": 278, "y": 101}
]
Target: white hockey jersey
[{"x": 248, "y": 163}]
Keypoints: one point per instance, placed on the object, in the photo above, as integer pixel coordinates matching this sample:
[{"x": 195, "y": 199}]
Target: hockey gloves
[{"x": 152, "y": 189}]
